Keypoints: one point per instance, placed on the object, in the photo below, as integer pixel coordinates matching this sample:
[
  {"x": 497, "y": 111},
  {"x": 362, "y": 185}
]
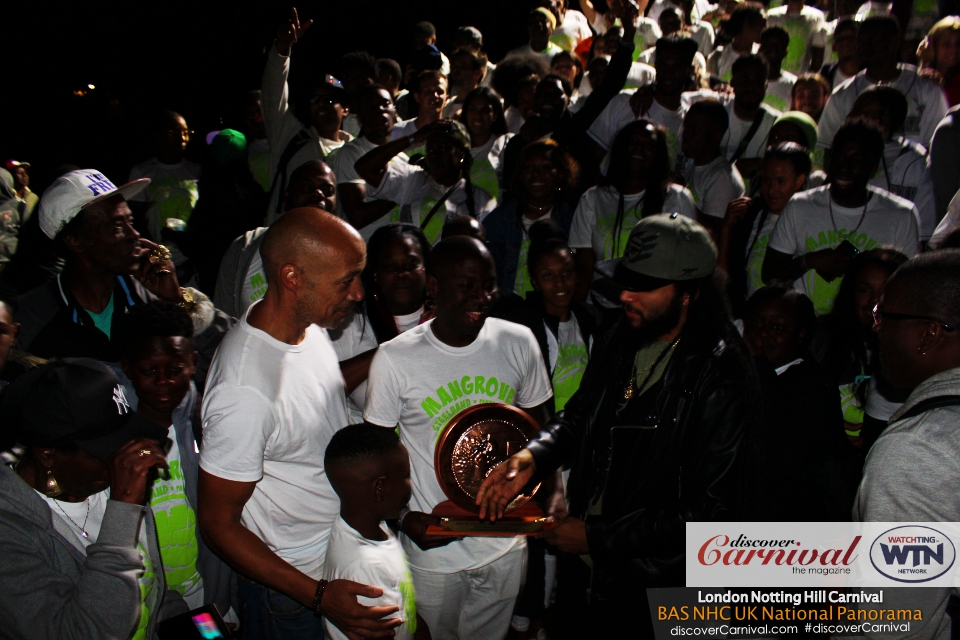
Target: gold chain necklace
[{"x": 632, "y": 388}]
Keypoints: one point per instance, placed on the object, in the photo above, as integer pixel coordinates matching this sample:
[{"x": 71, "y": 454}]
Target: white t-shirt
[
  {"x": 269, "y": 411},
  {"x": 596, "y": 216},
  {"x": 641, "y": 73},
  {"x": 421, "y": 383},
  {"x": 725, "y": 59},
  {"x": 618, "y": 113},
  {"x": 906, "y": 165},
  {"x": 342, "y": 164},
  {"x": 926, "y": 103},
  {"x": 759, "y": 239},
  {"x": 737, "y": 129},
  {"x": 172, "y": 193},
  {"x": 574, "y": 29},
  {"x": 805, "y": 226},
  {"x": 514, "y": 119},
  {"x": 177, "y": 531},
  {"x": 713, "y": 185},
  {"x": 417, "y": 193},
  {"x": 806, "y": 32},
  {"x": 378, "y": 563},
  {"x": 353, "y": 337},
  {"x": 546, "y": 55},
  {"x": 523, "y": 283},
  {"x": 568, "y": 360},
  {"x": 409, "y": 321},
  {"x": 646, "y": 36},
  {"x": 485, "y": 170},
  {"x": 778, "y": 91},
  {"x": 254, "y": 284},
  {"x": 406, "y": 128},
  {"x": 950, "y": 221}
]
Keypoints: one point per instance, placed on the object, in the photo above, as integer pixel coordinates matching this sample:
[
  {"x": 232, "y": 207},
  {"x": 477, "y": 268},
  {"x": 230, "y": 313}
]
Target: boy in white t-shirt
[
  {"x": 821, "y": 230},
  {"x": 711, "y": 179},
  {"x": 419, "y": 381},
  {"x": 370, "y": 471}
]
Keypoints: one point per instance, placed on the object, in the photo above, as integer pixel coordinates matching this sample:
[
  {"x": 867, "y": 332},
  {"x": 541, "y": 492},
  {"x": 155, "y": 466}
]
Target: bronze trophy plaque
[{"x": 474, "y": 442}]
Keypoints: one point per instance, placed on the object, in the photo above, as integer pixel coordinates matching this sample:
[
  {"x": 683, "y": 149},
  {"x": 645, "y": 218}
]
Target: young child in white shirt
[{"x": 370, "y": 471}]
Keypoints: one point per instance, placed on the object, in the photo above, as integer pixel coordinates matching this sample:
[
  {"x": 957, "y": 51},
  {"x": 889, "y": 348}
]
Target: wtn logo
[{"x": 912, "y": 554}]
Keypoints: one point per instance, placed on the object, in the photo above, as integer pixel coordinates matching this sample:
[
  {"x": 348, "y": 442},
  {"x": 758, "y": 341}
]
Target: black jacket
[
  {"x": 675, "y": 458},
  {"x": 810, "y": 469},
  {"x": 54, "y": 325}
]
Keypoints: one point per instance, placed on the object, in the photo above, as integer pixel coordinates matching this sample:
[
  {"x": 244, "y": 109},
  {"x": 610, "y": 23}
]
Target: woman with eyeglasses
[
  {"x": 394, "y": 280},
  {"x": 846, "y": 346},
  {"x": 810, "y": 471}
]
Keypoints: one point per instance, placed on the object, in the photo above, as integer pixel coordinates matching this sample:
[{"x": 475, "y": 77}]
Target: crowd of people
[{"x": 712, "y": 250}]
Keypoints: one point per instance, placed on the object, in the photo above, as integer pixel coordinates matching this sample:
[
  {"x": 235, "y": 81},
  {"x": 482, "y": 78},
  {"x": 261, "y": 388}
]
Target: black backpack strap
[
  {"x": 436, "y": 207},
  {"x": 752, "y": 131},
  {"x": 280, "y": 178},
  {"x": 937, "y": 402}
]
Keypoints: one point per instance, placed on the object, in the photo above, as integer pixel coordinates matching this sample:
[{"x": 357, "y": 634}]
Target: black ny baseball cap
[
  {"x": 661, "y": 250},
  {"x": 74, "y": 401}
]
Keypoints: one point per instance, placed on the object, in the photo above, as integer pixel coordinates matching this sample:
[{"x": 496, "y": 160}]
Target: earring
[
  {"x": 53, "y": 487},
  {"x": 921, "y": 351}
]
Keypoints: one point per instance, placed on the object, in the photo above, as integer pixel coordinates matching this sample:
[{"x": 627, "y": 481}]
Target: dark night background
[{"x": 195, "y": 57}]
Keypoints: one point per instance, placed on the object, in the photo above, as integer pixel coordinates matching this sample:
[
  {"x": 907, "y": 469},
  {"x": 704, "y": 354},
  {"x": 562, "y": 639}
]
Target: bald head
[
  {"x": 313, "y": 262},
  {"x": 301, "y": 236}
]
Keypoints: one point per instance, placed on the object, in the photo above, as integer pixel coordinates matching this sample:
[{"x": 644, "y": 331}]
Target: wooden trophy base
[{"x": 527, "y": 520}]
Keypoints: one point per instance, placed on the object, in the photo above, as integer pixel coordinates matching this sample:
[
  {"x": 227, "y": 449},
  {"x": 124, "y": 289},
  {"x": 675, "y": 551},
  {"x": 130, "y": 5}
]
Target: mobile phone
[
  {"x": 846, "y": 248},
  {"x": 203, "y": 623}
]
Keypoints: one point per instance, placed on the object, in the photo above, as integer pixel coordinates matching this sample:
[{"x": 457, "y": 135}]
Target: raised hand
[
  {"x": 290, "y": 32},
  {"x": 129, "y": 468},
  {"x": 158, "y": 275}
]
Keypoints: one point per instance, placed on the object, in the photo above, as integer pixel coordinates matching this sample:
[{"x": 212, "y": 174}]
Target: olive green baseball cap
[{"x": 662, "y": 249}]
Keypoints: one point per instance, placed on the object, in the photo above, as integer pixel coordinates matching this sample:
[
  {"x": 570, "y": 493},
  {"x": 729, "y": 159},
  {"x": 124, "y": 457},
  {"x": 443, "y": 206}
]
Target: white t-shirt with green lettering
[
  {"x": 806, "y": 30},
  {"x": 805, "y": 226},
  {"x": 420, "y": 383},
  {"x": 177, "y": 531}
]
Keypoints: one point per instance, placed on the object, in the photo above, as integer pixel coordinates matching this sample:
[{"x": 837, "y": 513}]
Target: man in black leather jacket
[{"x": 659, "y": 434}]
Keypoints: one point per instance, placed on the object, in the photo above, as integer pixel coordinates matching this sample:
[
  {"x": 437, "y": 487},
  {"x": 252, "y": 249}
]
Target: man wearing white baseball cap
[{"x": 109, "y": 268}]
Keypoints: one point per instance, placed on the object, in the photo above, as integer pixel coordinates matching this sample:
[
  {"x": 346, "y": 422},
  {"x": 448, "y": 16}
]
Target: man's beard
[{"x": 653, "y": 327}]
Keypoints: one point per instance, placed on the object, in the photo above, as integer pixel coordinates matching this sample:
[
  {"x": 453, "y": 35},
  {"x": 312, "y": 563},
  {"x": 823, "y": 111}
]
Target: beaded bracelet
[{"x": 318, "y": 595}]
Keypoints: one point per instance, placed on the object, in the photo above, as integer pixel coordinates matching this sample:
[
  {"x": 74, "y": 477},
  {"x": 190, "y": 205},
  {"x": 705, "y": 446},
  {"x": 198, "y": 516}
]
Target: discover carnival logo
[
  {"x": 740, "y": 551},
  {"x": 912, "y": 554}
]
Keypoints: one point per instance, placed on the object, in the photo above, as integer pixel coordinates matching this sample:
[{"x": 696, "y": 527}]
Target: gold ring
[
  {"x": 145, "y": 452},
  {"x": 160, "y": 254}
]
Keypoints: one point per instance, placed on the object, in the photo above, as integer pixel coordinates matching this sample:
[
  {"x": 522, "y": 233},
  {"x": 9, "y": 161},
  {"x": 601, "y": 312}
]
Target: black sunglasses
[{"x": 879, "y": 316}]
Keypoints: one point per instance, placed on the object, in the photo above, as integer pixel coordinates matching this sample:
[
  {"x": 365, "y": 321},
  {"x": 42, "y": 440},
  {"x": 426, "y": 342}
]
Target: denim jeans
[{"x": 266, "y": 614}]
